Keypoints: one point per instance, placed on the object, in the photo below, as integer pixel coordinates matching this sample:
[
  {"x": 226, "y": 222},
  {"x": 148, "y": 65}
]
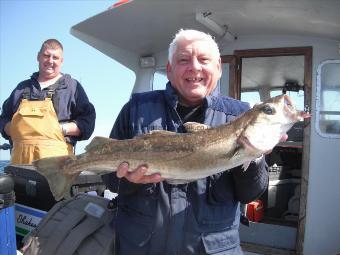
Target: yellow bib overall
[{"x": 36, "y": 133}]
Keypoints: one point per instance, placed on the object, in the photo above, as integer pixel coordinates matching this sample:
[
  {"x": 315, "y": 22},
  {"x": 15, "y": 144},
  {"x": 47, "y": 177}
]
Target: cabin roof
[{"x": 145, "y": 27}]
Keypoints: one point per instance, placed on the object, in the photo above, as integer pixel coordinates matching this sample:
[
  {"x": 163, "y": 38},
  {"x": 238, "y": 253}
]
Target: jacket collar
[{"x": 62, "y": 81}]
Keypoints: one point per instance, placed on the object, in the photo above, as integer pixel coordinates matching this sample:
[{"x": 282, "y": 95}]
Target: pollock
[{"x": 180, "y": 158}]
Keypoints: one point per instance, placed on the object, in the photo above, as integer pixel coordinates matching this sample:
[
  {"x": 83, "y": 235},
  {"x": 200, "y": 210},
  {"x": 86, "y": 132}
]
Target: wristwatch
[{"x": 63, "y": 129}]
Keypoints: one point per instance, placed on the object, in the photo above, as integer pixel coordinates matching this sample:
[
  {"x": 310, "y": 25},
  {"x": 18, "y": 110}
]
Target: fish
[{"x": 180, "y": 157}]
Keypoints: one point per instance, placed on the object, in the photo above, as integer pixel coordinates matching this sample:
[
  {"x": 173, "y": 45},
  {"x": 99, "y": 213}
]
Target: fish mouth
[
  {"x": 291, "y": 112},
  {"x": 288, "y": 105}
]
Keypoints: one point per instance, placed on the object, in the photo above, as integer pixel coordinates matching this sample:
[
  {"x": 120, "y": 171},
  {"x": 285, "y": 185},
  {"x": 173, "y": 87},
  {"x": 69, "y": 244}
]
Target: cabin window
[
  {"x": 159, "y": 80},
  {"x": 252, "y": 97},
  {"x": 328, "y": 99}
]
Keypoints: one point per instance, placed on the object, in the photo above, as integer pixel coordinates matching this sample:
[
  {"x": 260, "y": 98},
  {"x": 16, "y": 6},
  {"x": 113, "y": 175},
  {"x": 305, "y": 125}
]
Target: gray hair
[{"x": 191, "y": 35}]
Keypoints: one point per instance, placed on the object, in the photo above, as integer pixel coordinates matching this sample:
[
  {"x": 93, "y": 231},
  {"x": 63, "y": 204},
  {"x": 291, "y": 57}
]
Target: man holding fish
[{"x": 198, "y": 217}]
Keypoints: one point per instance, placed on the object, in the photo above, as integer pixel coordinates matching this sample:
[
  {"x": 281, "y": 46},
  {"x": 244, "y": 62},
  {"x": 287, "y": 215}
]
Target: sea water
[{"x": 3, "y": 163}]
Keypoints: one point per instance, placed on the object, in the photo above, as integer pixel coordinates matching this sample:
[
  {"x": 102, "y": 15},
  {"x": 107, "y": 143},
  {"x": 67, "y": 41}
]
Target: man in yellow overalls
[{"x": 47, "y": 114}]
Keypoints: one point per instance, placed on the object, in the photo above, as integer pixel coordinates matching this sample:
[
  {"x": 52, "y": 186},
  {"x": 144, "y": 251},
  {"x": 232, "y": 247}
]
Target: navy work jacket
[
  {"x": 200, "y": 217},
  {"x": 69, "y": 100}
]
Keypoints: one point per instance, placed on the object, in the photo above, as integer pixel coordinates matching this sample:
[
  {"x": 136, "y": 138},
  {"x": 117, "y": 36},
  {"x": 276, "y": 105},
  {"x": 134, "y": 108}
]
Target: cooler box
[
  {"x": 7, "y": 219},
  {"x": 34, "y": 198}
]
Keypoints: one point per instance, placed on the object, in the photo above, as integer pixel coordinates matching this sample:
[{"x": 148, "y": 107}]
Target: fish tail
[{"x": 59, "y": 182}]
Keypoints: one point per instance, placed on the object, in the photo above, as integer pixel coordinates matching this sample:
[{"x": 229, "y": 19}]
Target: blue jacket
[
  {"x": 70, "y": 102},
  {"x": 201, "y": 217}
]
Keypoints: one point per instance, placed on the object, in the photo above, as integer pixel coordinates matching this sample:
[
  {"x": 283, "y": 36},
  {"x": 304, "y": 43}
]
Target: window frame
[{"x": 318, "y": 100}]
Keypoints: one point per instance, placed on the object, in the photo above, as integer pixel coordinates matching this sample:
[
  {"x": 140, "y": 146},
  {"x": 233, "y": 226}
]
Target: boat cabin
[{"x": 267, "y": 48}]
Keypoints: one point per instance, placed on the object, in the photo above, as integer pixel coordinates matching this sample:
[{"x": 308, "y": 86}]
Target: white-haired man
[{"x": 200, "y": 217}]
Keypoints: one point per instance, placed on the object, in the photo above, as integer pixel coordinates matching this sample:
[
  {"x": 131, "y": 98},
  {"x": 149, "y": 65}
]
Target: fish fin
[
  {"x": 59, "y": 182},
  {"x": 192, "y": 127},
  {"x": 154, "y": 133},
  {"x": 178, "y": 181},
  {"x": 162, "y": 132},
  {"x": 245, "y": 165},
  {"x": 233, "y": 153},
  {"x": 97, "y": 140}
]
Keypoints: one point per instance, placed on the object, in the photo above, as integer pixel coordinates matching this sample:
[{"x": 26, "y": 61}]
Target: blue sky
[{"x": 24, "y": 25}]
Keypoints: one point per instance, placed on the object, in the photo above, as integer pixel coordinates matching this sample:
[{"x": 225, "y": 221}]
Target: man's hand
[
  {"x": 138, "y": 174},
  {"x": 284, "y": 138},
  {"x": 245, "y": 143},
  {"x": 70, "y": 128}
]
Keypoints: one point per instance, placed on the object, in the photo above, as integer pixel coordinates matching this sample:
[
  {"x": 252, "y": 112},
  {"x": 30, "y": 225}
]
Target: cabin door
[{"x": 256, "y": 75}]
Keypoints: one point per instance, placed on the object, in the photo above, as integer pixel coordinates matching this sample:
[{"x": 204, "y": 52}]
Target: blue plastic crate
[{"x": 7, "y": 231}]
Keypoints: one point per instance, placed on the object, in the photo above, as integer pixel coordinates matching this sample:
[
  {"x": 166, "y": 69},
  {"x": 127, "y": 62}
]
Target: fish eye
[{"x": 267, "y": 109}]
